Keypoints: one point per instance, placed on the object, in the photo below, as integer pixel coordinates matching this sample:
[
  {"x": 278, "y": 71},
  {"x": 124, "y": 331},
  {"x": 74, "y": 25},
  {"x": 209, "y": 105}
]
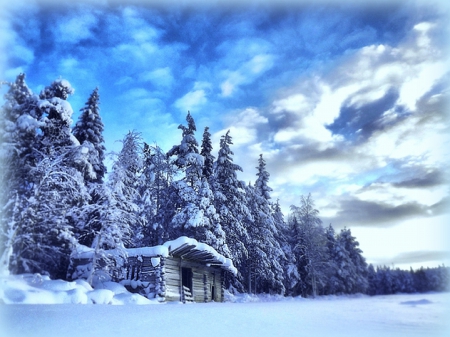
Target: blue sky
[{"x": 346, "y": 102}]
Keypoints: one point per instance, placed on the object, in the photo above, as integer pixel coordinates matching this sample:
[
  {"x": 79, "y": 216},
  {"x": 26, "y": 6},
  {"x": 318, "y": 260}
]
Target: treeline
[
  {"x": 386, "y": 281},
  {"x": 58, "y": 198}
]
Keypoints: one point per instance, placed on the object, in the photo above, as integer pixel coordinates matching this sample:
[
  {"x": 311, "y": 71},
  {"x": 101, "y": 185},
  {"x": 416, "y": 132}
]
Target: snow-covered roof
[
  {"x": 183, "y": 247},
  {"x": 186, "y": 248}
]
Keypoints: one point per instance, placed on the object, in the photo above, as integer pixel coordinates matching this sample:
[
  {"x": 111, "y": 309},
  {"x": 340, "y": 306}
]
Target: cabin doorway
[
  {"x": 186, "y": 285},
  {"x": 186, "y": 278}
]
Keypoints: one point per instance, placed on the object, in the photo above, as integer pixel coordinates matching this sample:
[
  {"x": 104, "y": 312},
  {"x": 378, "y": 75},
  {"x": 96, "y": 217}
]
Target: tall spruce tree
[
  {"x": 206, "y": 149},
  {"x": 230, "y": 203},
  {"x": 290, "y": 272},
  {"x": 18, "y": 138},
  {"x": 356, "y": 280},
  {"x": 156, "y": 188},
  {"x": 310, "y": 247},
  {"x": 264, "y": 270},
  {"x": 187, "y": 155},
  {"x": 57, "y": 113},
  {"x": 123, "y": 183},
  {"x": 89, "y": 132},
  {"x": 265, "y": 254}
]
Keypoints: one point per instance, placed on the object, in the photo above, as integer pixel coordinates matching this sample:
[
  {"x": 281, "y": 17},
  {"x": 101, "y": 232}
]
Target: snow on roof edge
[
  {"x": 169, "y": 246},
  {"x": 164, "y": 250}
]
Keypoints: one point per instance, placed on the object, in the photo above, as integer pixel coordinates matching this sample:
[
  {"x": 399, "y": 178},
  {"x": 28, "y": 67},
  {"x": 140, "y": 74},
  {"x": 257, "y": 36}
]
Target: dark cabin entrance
[{"x": 186, "y": 284}]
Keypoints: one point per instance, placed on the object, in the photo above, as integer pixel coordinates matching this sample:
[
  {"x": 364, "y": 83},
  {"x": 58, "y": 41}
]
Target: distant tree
[
  {"x": 336, "y": 265},
  {"x": 290, "y": 273},
  {"x": 310, "y": 248},
  {"x": 356, "y": 279}
]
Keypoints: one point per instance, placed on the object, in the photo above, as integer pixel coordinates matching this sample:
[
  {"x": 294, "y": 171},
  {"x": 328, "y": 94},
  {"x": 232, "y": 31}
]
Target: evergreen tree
[
  {"x": 196, "y": 215},
  {"x": 156, "y": 188},
  {"x": 206, "y": 149},
  {"x": 45, "y": 235},
  {"x": 290, "y": 272},
  {"x": 45, "y": 186},
  {"x": 188, "y": 159},
  {"x": 310, "y": 248},
  {"x": 336, "y": 266},
  {"x": 356, "y": 279},
  {"x": 18, "y": 137},
  {"x": 57, "y": 117},
  {"x": 230, "y": 203},
  {"x": 265, "y": 254},
  {"x": 89, "y": 132},
  {"x": 124, "y": 186}
]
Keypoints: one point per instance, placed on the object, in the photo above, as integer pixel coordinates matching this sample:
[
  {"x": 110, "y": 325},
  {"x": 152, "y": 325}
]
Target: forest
[{"x": 57, "y": 195}]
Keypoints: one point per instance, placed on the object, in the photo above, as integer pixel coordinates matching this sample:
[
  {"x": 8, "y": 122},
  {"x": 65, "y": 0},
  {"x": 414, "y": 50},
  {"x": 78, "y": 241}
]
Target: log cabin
[{"x": 179, "y": 270}]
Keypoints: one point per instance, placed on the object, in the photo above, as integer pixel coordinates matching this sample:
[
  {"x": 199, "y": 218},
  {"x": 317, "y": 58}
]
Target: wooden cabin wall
[
  {"x": 165, "y": 281},
  {"x": 172, "y": 279}
]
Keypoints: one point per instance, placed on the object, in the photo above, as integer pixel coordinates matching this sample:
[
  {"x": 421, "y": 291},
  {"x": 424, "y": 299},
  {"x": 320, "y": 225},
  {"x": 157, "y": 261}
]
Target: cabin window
[{"x": 186, "y": 277}]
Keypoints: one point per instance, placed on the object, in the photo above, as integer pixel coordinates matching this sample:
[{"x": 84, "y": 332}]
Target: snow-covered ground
[{"x": 359, "y": 315}]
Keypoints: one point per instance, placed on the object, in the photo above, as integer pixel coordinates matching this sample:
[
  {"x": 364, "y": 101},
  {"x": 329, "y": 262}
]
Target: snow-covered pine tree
[
  {"x": 109, "y": 253},
  {"x": 206, "y": 149},
  {"x": 50, "y": 190},
  {"x": 340, "y": 266},
  {"x": 156, "y": 188},
  {"x": 310, "y": 248},
  {"x": 196, "y": 215},
  {"x": 188, "y": 158},
  {"x": 356, "y": 280},
  {"x": 264, "y": 270},
  {"x": 45, "y": 237},
  {"x": 265, "y": 254},
  {"x": 124, "y": 188},
  {"x": 89, "y": 132},
  {"x": 57, "y": 118},
  {"x": 290, "y": 272},
  {"x": 230, "y": 203},
  {"x": 18, "y": 137}
]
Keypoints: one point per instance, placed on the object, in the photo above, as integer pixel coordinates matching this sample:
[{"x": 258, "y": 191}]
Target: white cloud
[
  {"x": 246, "y": 73},
  {"x": 243, "y": 127},
  {"x": 191, "y": 100},
  {"x": 76, "y": 28},
  {"x": 158, "y": 77}
]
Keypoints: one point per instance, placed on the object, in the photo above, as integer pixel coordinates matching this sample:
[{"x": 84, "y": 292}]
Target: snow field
[{"x": 25, "y": 313}]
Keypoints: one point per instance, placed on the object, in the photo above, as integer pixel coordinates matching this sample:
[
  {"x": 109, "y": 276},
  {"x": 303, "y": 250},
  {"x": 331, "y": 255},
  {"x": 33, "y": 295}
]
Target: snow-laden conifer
[
  {"x": 89, "y": 132},
  {"x": 265, "y": 256},
  {"x": 230, "y": 203},
  {"x": 356, "y": 279},
  {"x": 206, "y": 149},
  {"x": 124, "y": 186},
  {"x": 310, "y": 247}
]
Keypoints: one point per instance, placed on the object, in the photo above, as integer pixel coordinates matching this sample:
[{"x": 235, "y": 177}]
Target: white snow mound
[{"x": 39, "y": 289}]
